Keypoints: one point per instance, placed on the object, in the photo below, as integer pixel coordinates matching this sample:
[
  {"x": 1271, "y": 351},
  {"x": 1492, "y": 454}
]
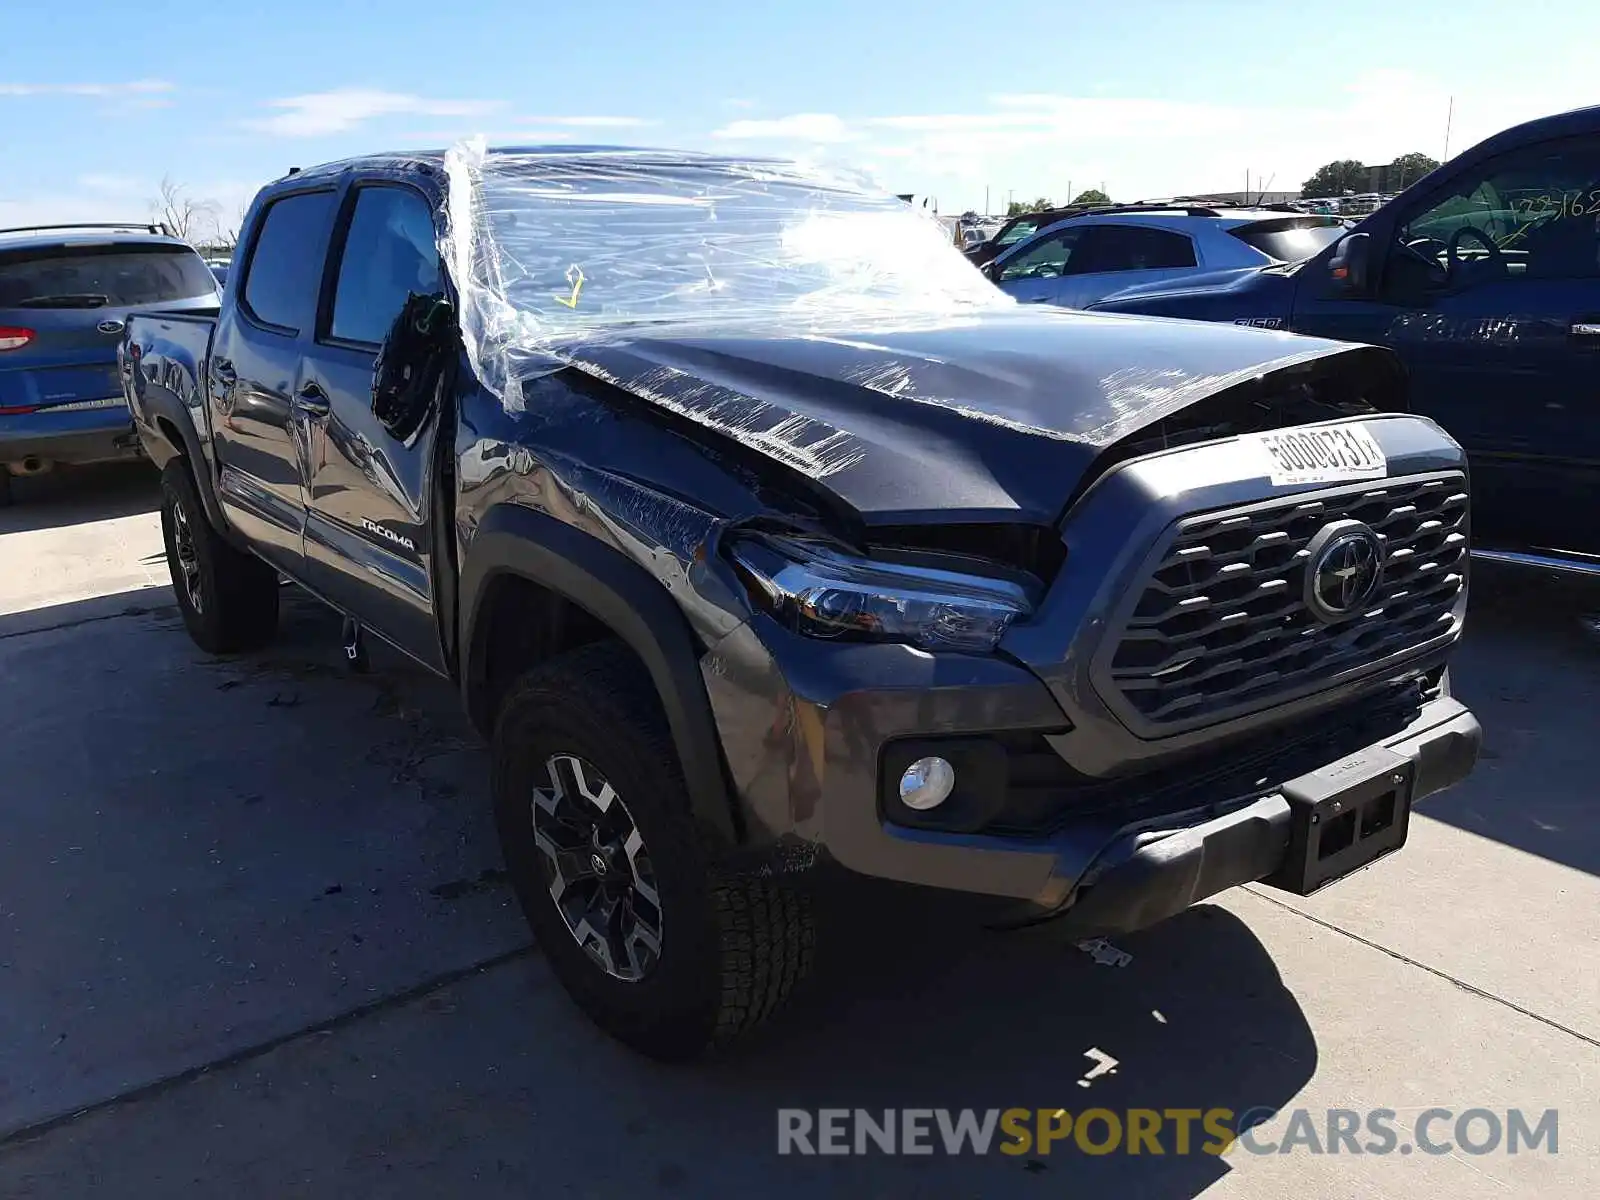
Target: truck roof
[
  {"x": 393, "y": 160},
  {"x": 1575, "y": 122}
]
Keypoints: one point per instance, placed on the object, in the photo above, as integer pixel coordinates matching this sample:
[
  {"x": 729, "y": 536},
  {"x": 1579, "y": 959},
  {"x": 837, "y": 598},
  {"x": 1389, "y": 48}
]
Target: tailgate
[{"x": 66, "y": 357}]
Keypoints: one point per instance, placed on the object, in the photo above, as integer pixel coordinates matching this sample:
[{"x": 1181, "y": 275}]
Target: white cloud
[
  {"x": 500, "y": 137},
  {"x": 1049, "y": 144},
  {"x": 590, "y": 122},
  {"x": 111, "y": 185},
  {"x": 802, "y": 127},
  {"x": 106, "y": 197},
  {"x": 317, "y": 114},
  {"x": 138, "y": 87}
]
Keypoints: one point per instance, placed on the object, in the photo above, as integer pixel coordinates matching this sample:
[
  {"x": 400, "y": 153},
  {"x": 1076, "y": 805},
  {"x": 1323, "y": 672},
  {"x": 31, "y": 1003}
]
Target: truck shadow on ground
[
  {"x": 80, "y": 495},
  {"x": 1529, "y": 667},
  {"x": 494, "y": 1084},
  {"x": 505, "y": 1090},
  {"x": 914, "y": 1005}
]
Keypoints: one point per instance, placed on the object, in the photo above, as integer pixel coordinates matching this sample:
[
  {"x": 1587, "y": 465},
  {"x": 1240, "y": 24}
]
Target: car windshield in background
[
  {"x": 1018, "y": 231},
  {"x": 1291, "y": 239},
  {"x": 567, "y": 244},
  {"x": 101, "y": 276}
]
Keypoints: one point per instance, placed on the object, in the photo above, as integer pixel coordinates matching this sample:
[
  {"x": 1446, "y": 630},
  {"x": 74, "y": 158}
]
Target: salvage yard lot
[{"x": 251, "y": 920}]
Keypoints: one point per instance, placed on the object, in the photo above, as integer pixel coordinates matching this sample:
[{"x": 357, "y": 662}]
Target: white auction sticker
[{"x": 1326, "y": 454}]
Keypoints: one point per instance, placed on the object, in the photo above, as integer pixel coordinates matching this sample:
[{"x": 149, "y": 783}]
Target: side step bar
[{"x": 1544, "y": 560}]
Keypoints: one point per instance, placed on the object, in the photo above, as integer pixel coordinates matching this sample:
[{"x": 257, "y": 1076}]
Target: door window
[
  {"x": 285, "y": 271},
  {"x": 390, "y": 254},
  {"x": 1133, "y": 248},
  {"x": 1531, "y": 213},
  {"x": 1044, "y": 259}
]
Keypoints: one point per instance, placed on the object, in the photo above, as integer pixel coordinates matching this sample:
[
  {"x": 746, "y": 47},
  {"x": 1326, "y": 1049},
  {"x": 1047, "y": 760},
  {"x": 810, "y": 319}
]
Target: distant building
[{"x": 1222, "y": 199}]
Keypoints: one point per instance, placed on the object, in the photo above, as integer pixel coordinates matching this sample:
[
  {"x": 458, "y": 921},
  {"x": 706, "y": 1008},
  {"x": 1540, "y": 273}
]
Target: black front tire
[
  {"x": 228, "y": 598},
  {"x": 730, "y": 949},
  {"x": 5, "y": 486}
]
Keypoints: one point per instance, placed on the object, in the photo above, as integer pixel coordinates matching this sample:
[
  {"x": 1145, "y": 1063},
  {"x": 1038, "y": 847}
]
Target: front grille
[{"x": 1222, "y": 628}]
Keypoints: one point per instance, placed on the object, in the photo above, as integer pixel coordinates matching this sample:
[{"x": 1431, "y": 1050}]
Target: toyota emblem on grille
[{"x": 1344, "y": 571}]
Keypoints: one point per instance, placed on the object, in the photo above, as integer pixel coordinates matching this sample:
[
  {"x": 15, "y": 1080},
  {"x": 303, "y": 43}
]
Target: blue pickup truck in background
[{"x": 1484, "y": 277}]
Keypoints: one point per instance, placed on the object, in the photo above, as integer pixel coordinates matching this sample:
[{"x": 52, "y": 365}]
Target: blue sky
[{"x": 937, "y": 97}]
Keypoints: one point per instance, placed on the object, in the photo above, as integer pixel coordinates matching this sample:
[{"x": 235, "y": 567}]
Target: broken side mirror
[
  {"x": 411, "y": 362},
  {"x": 1350, "y": 268}
]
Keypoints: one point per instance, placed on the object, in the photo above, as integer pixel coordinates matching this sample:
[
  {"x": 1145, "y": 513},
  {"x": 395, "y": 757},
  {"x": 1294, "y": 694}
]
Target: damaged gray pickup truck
[{"x": 761, "y": 533}]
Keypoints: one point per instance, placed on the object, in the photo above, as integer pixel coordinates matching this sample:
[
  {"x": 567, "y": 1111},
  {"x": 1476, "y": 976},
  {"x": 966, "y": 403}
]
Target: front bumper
[
  {"x": 1147, "y": 875},
  {"x": 806, "y": 744},
  {"x": 77, "y": 437}
]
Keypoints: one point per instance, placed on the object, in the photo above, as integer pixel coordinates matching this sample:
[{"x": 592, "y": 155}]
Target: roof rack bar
[
  {"x": 156, "y": 227},
  {"x": 1193, "y": 210}
]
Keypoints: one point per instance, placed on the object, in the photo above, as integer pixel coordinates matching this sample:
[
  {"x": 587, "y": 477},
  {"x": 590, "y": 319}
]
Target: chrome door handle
[{"x": 1586, "y": 329}]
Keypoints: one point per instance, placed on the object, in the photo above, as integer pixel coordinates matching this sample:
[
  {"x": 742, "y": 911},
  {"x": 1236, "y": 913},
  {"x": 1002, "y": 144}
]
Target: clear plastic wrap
[{"x": 554, "y": 251}]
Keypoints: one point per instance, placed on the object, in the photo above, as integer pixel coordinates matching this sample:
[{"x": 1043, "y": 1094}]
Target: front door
[
  {"x": 369, "y": 519},
  {"x": 1491, "y": 295},
  {"x": 1112, "y": 257},
  {"x": 257, "y": 371},
  {"x": 1031, "y": 273}
]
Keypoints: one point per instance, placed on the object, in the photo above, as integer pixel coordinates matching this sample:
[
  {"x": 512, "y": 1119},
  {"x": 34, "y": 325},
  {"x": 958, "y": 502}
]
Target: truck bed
[{"x": 162, "y": 362}]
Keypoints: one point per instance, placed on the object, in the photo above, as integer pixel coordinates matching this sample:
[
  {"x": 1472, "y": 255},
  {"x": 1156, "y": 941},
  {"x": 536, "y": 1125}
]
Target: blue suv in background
[
  {"x": 1082, "y": 259},
  {"x": 1484, "y": 277},
  {"x": 65, "y": 294}
]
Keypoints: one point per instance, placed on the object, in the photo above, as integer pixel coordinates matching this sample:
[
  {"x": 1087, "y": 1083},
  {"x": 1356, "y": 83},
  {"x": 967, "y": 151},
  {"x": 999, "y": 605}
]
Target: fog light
[{"x": 927, "y": 784}]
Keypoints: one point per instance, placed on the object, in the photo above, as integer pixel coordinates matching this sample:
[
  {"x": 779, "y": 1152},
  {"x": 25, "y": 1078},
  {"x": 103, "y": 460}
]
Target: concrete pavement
[{"x": 252, "y": 929}]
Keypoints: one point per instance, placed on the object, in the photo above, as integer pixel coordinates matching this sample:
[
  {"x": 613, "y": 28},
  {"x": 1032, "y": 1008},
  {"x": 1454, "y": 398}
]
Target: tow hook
[{"x": 355, "y": 647}]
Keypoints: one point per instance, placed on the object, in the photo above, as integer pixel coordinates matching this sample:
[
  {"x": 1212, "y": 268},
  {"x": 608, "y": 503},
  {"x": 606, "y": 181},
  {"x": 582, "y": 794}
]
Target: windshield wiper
[{"x": 66, "y": 300}]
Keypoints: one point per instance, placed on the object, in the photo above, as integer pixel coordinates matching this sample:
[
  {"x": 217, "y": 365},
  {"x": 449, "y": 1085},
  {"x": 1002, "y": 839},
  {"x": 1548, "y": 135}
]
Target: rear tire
[
  {"x": 585, "y": 772},
  {"x": 228, "y": 598}
]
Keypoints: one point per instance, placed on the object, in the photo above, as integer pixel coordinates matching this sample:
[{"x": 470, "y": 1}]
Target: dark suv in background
[{"x": 65, "y": 294}]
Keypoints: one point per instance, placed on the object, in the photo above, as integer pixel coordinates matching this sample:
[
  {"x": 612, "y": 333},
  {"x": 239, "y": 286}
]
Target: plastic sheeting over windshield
[{"x": 555, "y": 251}]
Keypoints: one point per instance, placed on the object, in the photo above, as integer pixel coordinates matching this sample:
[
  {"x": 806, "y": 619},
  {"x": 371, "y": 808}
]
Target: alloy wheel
[
  {"x": 188, "y": 561},
  {"x": 597, "y": 868}
]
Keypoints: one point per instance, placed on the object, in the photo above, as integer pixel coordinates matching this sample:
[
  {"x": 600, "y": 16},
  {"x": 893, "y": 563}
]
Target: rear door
[
  {"x": 257, "y": 374},
  {"x": 1491, "y": 295},
  {"x": 369, "y": 526},
  {"x": 1112, "y": 257},
  {"x": 62, "y": 311}
]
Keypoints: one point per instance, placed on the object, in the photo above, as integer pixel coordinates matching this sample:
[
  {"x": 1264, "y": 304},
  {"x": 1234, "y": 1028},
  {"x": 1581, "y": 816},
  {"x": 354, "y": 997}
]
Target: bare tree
[
  {"x": 187, "y": 217},
  {"x": 227, "y": 239}
]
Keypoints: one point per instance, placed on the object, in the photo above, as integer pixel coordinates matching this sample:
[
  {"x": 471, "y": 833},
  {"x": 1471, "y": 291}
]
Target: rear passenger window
[
  {"x": 286, "y": 265},
  {"x": 1133, "y": 248},
  {"x": 389, "y": 254}
]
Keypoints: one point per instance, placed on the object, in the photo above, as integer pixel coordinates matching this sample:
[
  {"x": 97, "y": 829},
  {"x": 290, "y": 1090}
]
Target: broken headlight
[{"x": 818, "y": 589}]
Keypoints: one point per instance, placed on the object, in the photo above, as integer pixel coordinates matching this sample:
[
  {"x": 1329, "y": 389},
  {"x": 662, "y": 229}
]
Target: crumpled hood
[{"x": 991, "y": 417}]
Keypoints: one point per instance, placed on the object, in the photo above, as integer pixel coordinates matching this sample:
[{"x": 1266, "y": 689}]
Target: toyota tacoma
[{"x": 761, "y": 535}]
